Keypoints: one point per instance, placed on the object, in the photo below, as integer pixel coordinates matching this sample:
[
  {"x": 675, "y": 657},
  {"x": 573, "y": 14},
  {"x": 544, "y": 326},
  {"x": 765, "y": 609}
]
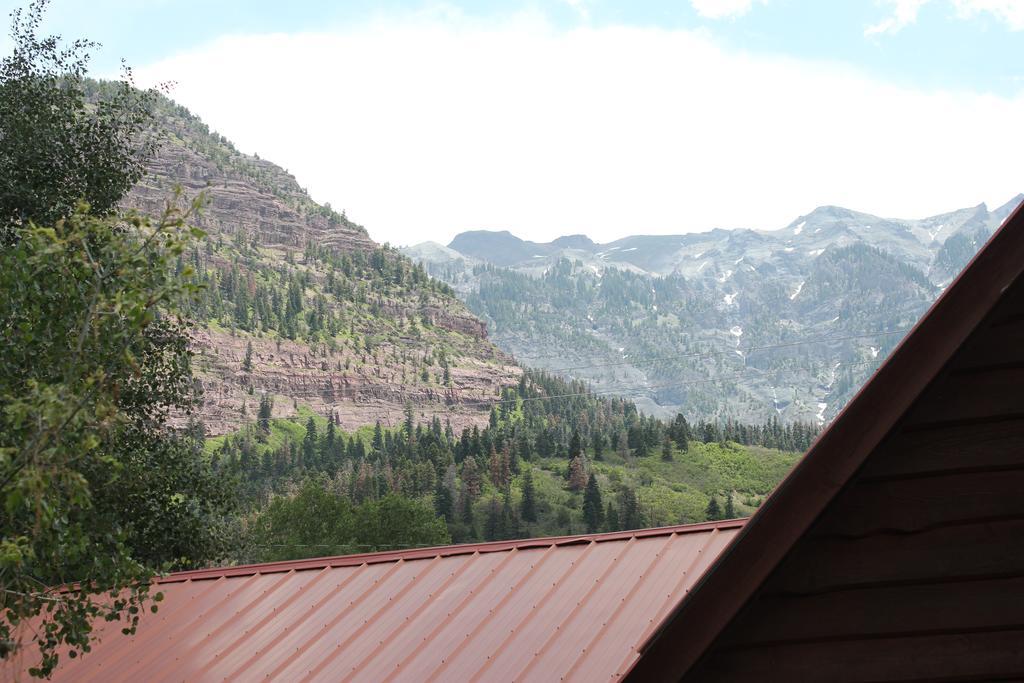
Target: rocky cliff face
[
  {"x": 339, "y": 383},
  {"x": 391, "y": 342}
]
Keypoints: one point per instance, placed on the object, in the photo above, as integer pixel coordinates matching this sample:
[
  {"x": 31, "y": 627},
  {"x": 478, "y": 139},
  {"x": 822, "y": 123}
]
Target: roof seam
[
  {"x": 671, "y": 598},
  {"x": 255, "y": 656},
  {"x": 204, "y": 609},
  {"x": 528, "y": 617},
  {"x": 344, "y": 611},
  {"x": 658, "y": 557},
  {"x": 490, "y": 614},
  {"x": 229, "y": 622},
  {"x": 458, "y": 609},
  {"x": 552, "y": 637},
  {"x": 372, "y": 619},
  {"x": 429, "y": 600}
]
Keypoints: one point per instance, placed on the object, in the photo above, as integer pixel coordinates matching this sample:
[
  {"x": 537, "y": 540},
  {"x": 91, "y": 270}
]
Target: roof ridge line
[{"x": 442, "y": 551}]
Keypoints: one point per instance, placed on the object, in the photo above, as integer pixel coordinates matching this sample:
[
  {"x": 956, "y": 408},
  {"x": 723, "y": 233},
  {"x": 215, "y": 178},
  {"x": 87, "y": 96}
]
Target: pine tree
[
  {"x": 666, "y": 450},
  {"x": 499, "y": 466},
  {"x": 598, "y": 446},
  {"x": 528, "y": 506},
  {"x": 623, "y": 446},
  {"x": 577, "y": 474},
  {"x": 730, "y": 508},
  {"x": 378, "y": 439},
  {"x": 575, "y": 445},
  {"x": 247, "y": 363},
  {"x": 309, "y": 444},
  {"x": 466, "y": 510},
  {"x": 494, "y": 527},
  {"x": 263, "y": 417},
  {"x": 471, "y": 478},
  {"x": 629, "y": 510},
  {"x": 593, "y": 511},
  {"x": 509, "y": 517},
  {"x": 329, "y": 439},
  {"x": 410, "y": 421},
  {"x": 611, "y": 518},
  {"x": 443, "y": 503},
  {"x": 713, "y": 511}
]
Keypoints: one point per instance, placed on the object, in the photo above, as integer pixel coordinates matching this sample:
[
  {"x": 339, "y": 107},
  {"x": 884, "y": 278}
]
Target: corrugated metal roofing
[{"x": 570, "y": 608}]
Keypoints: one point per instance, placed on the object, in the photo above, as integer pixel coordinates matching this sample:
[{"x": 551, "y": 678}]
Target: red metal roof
[{"x": 573, "y": 608}]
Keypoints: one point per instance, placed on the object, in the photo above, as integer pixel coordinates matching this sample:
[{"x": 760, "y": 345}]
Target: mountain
[
  {"x": 682, "y": 322},
  {"x": 328, "y": 318}
]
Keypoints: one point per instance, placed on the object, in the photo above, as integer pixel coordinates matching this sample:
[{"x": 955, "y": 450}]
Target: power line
[
  {"x": 617, "y": 391},
  {"x": 679, "y": 384}
]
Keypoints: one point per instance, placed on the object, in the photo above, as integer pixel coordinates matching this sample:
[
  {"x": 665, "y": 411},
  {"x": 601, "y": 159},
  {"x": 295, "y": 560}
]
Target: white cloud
[
  {"x": 724, "y": 9},
  {"x": 1009, "y": 11},
  {"x": 424, "y": 127},
  {"x": 580, "y": 6},
  {"x": 904, "y": 13}
]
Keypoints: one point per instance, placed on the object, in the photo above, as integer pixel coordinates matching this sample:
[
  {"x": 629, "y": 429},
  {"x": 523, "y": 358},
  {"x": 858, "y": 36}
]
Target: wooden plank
[
  {"x": 949, "y": 447},
  {"x": 819, "y": 564},
  {"x": 1010, "y": 306},
  {"x": 954, "y": 657},
  {"x": 908, "y": 505},
  {"x": 971, "y": 396},
  {"x": 999, "y": 345},
  {"x": 889, "y": 611}
]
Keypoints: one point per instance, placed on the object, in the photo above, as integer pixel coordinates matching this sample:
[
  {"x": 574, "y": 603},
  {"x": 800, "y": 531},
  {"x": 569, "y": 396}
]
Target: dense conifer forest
[{"x": 554, "y": 459}]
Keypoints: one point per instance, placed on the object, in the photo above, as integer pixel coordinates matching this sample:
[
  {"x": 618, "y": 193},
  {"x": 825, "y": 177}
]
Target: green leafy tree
[
  {"x": 313, "y": 522},
  {"x": 90, "y": 370},
  {"x": 396, "y": 522},
  {"x": 59, "y": 147},
  {"x": 98, "y": 493}
]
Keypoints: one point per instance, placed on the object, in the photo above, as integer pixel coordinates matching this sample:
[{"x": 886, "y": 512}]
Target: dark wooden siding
[{"x": 916, "y": 570}]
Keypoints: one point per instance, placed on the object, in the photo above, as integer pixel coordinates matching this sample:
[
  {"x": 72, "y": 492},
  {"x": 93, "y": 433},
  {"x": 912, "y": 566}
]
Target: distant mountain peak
[{"x": 578, "y": 241}]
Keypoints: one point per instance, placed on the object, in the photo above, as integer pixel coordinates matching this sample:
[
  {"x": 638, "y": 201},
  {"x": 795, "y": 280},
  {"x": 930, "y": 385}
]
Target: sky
[{"x": 422, "y": 119}]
